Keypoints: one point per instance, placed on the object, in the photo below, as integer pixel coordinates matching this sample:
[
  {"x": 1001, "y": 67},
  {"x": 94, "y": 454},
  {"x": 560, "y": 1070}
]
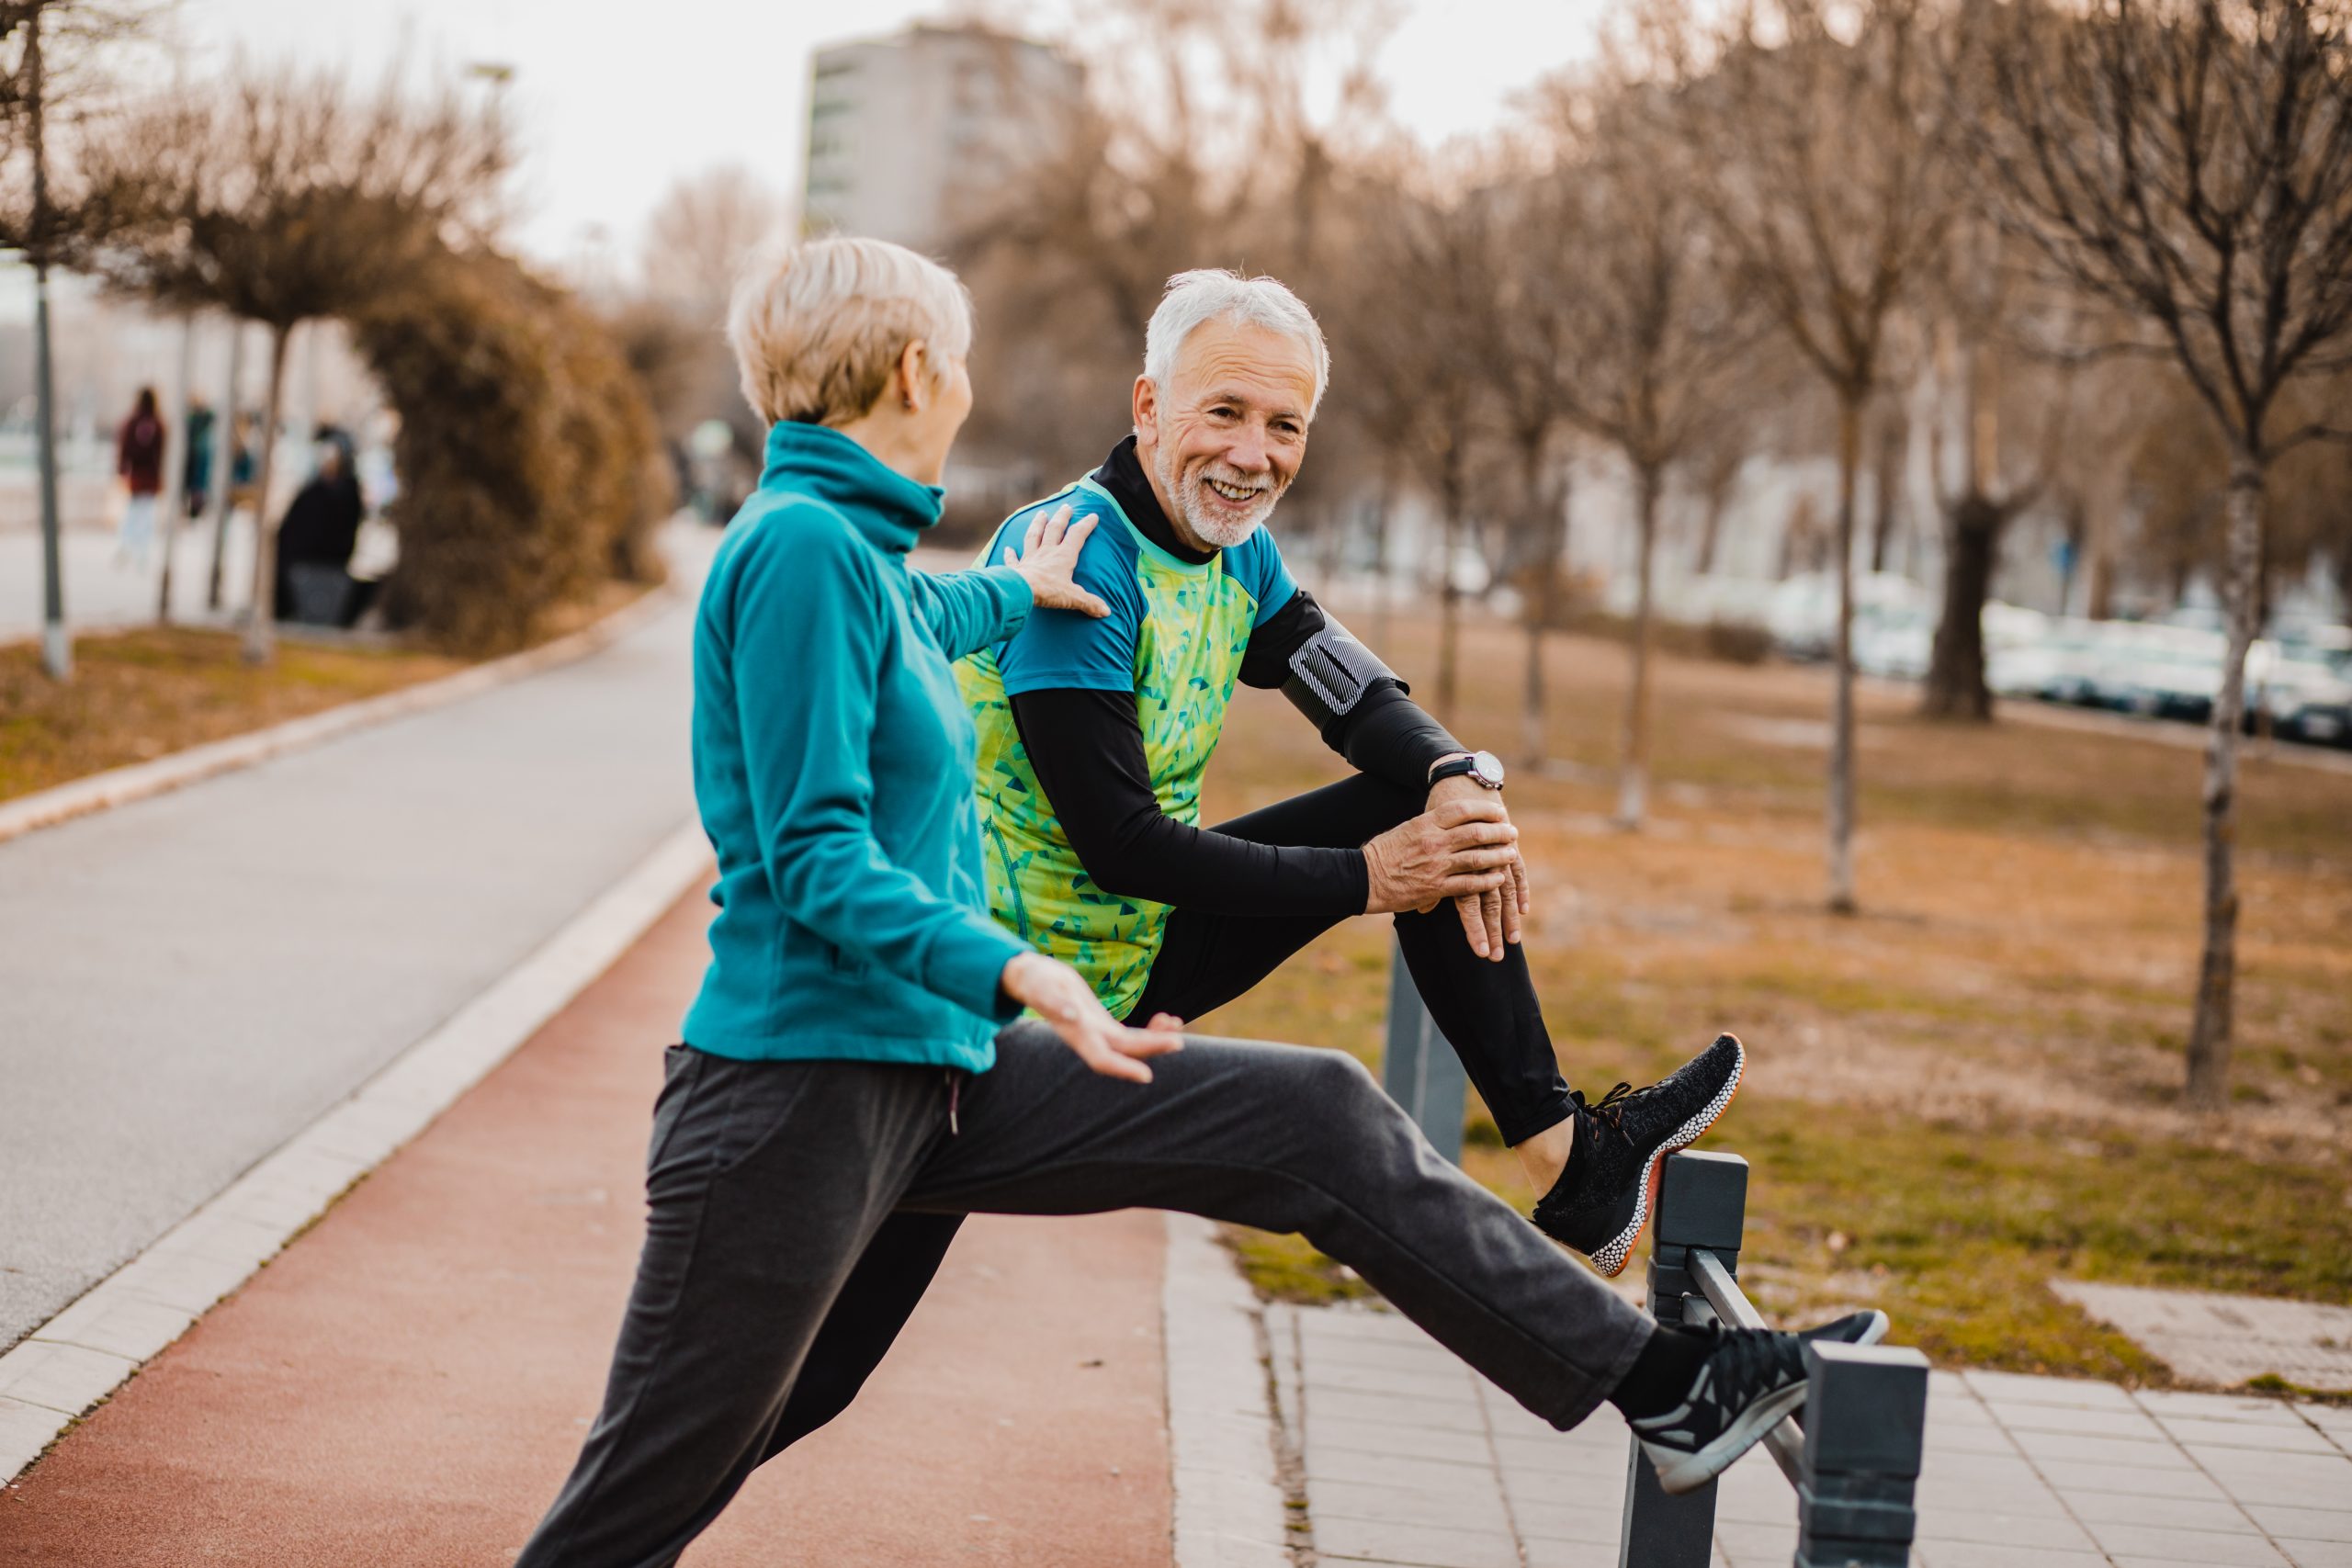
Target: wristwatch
[{"x": 1481, "y": 767}]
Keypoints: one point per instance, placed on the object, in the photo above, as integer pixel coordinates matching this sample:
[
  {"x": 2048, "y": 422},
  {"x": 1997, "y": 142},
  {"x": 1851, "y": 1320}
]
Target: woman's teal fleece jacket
[{"x": 833, "y": 769}]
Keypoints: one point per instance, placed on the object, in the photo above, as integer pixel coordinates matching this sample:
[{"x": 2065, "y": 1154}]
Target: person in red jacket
[{"x": 138, "y": 459}]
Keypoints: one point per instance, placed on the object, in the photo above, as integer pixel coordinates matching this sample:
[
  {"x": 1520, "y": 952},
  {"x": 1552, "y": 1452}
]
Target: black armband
[{"x": 1331, "y": 672}]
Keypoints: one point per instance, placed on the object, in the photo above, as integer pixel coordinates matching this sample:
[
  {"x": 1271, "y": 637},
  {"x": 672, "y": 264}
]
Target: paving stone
[
  {"x": 1990, "y": 1524},
  {"x": 1966, "y": 1554},
  {"x": 1980, "y": 1469},
  {"x": 117, "y": 1323},
  {"x": 2018, "y": 1388},
  {"x": 2242, "y": 1547},
  {"x": 1388, "y": 1469},
  {"x": 2193, "y": 1406},
  {"x": 2303, "y": 1524},
  {"x": 2074, "y": 1419},
  {"x": 1438, "y": 1386},
  {"x": 25, "y": 1430},
  {"x": 1327, "y": 1405},
  {"x": 1422, "y": 1545},
  {"x": 2169, "y": 1513},
  {"x": 1469, "y": 1507},
  {"x": 2265, "y": 1436},
  {"x": 1572, "y": 1520},
  {"x": 67, "y": 1379},
  {"x": 2069, "y": 1478},
  {"x": 1748, "y": 1544},
  {"x": 2298, "y": 1480},
  {"x": 2318, "y": 1553},
  {"x": 1411, "y": 1442},
  {"x": 1987, "y": 1440},
  {"x": 2042, "y": 1447},
  {"x": 1575, "y": 1553},
  {"x": 1935, "y": 1500}
]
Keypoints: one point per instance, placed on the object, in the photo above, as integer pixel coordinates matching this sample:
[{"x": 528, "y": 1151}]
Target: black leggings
[{"x": 1486, "y": 1011}]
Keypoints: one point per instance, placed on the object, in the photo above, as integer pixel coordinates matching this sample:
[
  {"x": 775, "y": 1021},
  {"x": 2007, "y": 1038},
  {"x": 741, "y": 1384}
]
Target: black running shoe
[
  {"x": 1750, "y": 1380},
  {"x": 1622, "y": 1141}
]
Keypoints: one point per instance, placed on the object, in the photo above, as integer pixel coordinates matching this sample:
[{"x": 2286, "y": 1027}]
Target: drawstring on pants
[{"x": 954, "y": 1093}]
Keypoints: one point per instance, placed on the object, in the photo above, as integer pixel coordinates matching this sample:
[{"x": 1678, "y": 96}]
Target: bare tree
[
  {"x": 1420, "y": 311},
  {"x": 1815, "y": 142},
  {"x": 283, "y": 198},
  {"x": 1655, "y": 318},
  {"x": 50, "y": 53},
  {"x": 2189, "y": 163},
  {"x": 698, "y": 235},
  {"x": 1985, "y": 387}
]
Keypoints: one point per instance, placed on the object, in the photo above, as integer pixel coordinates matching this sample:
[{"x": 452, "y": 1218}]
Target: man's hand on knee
[
  {"x": 1464, "y": 850},
  {"x": 1494, "y": 919}
]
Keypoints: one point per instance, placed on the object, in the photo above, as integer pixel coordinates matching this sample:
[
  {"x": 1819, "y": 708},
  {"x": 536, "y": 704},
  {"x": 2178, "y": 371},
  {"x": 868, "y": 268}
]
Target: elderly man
[{"x": 1096, "y": 731}]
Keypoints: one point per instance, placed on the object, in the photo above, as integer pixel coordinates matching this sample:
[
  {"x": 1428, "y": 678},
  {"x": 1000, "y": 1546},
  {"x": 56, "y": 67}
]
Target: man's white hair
[{"x": 1213, "y": 294}]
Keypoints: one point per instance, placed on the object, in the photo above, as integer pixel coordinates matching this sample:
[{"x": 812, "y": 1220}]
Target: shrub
[{"x": 530, "y": 469}]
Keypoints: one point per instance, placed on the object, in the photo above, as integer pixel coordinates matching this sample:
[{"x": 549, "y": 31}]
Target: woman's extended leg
[{"x": 1288, "y": 1138}]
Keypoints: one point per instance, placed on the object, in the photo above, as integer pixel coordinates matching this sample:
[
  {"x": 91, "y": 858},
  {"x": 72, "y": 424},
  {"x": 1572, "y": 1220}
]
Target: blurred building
[{"x": 912, "y": 138}]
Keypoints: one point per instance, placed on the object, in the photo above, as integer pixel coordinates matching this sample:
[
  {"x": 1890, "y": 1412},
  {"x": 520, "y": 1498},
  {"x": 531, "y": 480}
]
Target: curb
[
  {"x": 1230, "y": 1510},
  {"x": 92, "y": 1348},
  {"x": 139, "y": 781}
]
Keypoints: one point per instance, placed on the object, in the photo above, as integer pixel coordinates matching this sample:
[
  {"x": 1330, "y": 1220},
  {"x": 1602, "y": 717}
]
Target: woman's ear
[{"x": 913, "y": 377}]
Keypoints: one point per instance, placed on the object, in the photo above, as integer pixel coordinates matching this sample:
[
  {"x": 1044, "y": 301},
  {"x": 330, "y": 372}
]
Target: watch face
[{"x": 1489, "y": 769}]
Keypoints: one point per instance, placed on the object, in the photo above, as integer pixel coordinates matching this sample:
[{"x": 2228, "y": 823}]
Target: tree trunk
[
  {"x": 1634, "y": 768},
  {"x": 2209, "y": 1034},
  {"x": 224, "y": 459},
  {"x": 1893, "y": 437},
  {"x": 1547, "y": 525},
  {"x": 1383, "y": 592},
  {"x": 1721, "y": 476},
  {"x": 1956, "y": 686},
  {"x": 1449, "y": 608},
  {"x": 1841, "y": 725},
  {"x": 176, "y": 454},
  {"x": 261, "y": 621}
]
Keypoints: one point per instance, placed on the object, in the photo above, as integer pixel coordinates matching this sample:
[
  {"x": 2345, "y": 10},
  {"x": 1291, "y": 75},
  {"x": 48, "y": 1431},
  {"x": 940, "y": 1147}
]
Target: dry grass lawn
[
  {"x": 1966, "y": 1090},
  {"x": 137, "y": 696}
]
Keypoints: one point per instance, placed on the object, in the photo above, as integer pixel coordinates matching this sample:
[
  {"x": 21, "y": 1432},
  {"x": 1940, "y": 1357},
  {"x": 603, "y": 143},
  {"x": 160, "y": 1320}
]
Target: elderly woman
[{"x": 854, "y": 1052}]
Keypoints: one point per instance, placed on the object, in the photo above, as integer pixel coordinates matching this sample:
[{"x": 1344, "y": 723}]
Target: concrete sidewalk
[
  {"x": 1410, "y": 1461},
  {"x": 409, "y": 1382},
  {"x": 186, "y": 980}
]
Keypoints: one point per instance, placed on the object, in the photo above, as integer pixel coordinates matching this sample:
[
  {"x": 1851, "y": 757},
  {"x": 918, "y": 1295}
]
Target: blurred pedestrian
[
  {"x": 139, "y": 462},
  {"x": 315, "y": 543},
  {"x": 195, "y": 476}
]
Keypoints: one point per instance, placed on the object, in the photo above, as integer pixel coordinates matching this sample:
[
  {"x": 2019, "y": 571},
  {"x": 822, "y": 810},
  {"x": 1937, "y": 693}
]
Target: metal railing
[{"x": 1853, "y": 1456}]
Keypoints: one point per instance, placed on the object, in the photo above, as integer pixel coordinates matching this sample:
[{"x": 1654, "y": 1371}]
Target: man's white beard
[{"x": 1207, "y": 527}]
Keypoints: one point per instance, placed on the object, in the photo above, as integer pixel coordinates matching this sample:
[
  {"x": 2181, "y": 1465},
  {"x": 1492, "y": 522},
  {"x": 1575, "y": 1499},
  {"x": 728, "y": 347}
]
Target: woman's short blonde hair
[{"x": 818, "y": 326}]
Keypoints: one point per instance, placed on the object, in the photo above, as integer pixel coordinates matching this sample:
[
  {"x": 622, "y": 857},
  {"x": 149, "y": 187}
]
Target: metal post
[
  {"x": 1701, "y": 1203},
  {"x": 1866, "y": 1414},
  {"x": 1420, "y": 1071}
]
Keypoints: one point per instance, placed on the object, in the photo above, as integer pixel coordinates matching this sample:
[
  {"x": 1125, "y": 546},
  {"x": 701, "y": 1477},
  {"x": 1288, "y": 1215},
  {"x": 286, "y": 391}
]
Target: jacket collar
[{"x": 888, "y": 509}]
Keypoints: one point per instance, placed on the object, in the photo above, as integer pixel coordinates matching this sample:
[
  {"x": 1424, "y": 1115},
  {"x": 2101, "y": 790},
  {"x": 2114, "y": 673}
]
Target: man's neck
[{"x": 1131, "y": 480}]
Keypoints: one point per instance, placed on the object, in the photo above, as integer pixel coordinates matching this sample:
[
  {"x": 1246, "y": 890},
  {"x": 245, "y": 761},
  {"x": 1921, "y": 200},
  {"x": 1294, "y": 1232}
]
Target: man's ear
[{"x": 1145, "y": 407}]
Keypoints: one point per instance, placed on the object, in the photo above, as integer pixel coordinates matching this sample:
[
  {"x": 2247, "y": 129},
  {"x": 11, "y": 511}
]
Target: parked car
[
  {"x": 2163, "y": 672},
  {"x": 2305, "y": 693}
]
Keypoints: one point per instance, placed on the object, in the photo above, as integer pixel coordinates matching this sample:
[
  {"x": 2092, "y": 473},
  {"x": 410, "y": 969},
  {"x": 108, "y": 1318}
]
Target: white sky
[{"x": 614, "y": 102}]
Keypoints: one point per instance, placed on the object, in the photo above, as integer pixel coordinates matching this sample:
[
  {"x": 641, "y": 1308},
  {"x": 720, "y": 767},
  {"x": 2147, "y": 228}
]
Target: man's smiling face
[{"x": 1223, "y": 438}]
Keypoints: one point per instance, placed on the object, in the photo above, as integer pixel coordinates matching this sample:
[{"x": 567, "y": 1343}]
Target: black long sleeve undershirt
[{"x": 1087, "y": 750}]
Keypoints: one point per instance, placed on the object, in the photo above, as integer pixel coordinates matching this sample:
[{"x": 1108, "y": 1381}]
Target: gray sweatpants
[{"x": 767, "y": 1179}]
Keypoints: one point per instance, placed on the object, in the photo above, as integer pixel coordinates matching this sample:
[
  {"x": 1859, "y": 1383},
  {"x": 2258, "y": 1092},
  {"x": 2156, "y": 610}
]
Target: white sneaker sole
[{"x": 1609, "y": 1261}]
